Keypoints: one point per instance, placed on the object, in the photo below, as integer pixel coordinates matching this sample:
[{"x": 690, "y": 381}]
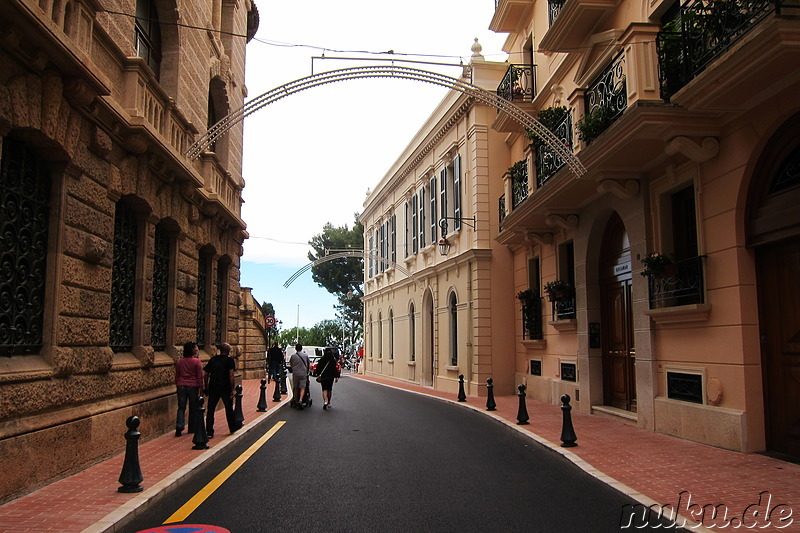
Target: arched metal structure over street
[
  {"x": 353, "y": 253},
  {"x": 315, "y": 80}
]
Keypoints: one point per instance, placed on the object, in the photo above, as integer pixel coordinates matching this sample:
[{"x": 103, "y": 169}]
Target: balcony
[
  {"x": 715, "y": 55},
  {"x": 572, "y": 22},
  {"x": 220, "y": 188},
  {"x": 508, "y": 14},
  {"x": 548, "y": 162},
  {"x": 604, "y": 101},
  {"x": 563, "y": 308},
  {"x": 532, "y": 317},
  {"x": 519, "y": 183},
  {"x": 501, "y": 209},
  {"x": 518, "y": 84},
  {"x": 680, "y": 283}
]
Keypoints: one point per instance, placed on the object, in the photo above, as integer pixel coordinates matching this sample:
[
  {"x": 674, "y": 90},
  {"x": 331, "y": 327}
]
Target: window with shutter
[
  {"x": 414, "y": 224},
  {"x": 443, "y": 193},
  {"x": 457, "y": 191},
  {"x": 394, "y": 239},
  {"x": 434, "y": 217},
  {"x": 422, "y": 218}
]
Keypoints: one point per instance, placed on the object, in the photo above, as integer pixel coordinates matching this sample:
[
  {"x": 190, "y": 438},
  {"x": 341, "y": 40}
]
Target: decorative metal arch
[
  {"x": 382, "y": 71},
  {"x": 354, "y": 253}
]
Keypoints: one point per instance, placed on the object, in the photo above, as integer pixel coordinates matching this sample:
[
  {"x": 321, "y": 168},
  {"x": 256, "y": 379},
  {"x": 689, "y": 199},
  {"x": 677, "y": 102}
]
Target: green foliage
[
  {"x": 594, "y": 123},
  {"x": 550, "y": 118},
  {"x": 554, "y": 288},
  {"x": 655, "y": 263},
  {"x": 341, "y": 276},
  {"x": 528, "y": 295}
]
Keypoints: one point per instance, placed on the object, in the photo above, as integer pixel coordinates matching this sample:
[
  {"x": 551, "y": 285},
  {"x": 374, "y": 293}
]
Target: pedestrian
[
  {"x": 298, "y": 364},
  {"x": 329, "y": 371},
  {"x": 275, "y": 362},
  {"x": 219, "y": 385},
  {"x": 188, "y": 382}
]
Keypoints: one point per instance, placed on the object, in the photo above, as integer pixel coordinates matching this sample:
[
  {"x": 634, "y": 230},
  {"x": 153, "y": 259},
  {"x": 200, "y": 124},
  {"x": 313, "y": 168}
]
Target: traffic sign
[{"x": 269, "y": 321}]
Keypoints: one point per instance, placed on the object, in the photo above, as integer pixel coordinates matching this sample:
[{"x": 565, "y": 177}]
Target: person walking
[
  {"x": 275, "y": 362},
  {"x": 330, "y": 372},
  {"x": 188, "y": 382},
  {"x": 219, "y": 385},
  {"x": 298, "y": 364}
]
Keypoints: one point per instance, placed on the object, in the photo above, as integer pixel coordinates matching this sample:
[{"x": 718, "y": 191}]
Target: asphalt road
[{"x": 387, "y": 460}]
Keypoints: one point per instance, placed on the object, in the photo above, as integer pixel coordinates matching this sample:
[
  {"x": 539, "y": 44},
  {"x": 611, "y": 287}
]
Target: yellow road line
[{"x": 189, "y": 507}]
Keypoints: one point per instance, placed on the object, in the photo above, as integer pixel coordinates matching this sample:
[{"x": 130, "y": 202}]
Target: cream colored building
[
  {"x": 429, "y": 318},
  {"x": 692, "y": 150},
  {"x": 116, "y": 247}
]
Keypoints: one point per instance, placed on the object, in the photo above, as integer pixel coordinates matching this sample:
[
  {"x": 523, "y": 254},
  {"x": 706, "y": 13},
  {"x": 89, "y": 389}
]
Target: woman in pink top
[{"x": 189, "y": 382}]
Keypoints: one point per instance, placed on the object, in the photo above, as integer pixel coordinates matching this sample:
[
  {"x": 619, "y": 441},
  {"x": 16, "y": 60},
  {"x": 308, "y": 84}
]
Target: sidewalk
[
  {"x": 89, "y": 502},
  {"x": 652, "y": 468}
]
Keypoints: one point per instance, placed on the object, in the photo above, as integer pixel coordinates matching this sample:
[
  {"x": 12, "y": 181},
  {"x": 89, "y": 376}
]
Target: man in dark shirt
[
  {"x": 275, "y": 362},
  {"x": 220, "y": 385}
]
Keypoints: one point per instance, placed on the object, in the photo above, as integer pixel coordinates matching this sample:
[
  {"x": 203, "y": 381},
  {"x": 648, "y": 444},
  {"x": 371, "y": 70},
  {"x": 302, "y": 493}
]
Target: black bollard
[
  {"x": 522, "y": 413},
  {"x": 238, "y": 415},
  {"x": 276, "y": 397},
  {"x": 461, "y": 396},
  {"x": 262, "y": 397},
  {"x": 568, "y": 436},
  {"x": 283, "y": 383},
  {"x": 490, "y": 404},
  {"x": 200, "y": 439},
  {"x": 131, "y": 475}
]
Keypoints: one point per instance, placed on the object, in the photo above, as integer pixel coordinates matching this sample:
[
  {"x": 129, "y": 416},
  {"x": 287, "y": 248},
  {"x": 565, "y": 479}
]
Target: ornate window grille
[
  {"x": 202, "y": 301},
  {"x": 604, "y": 100},
  {"x": 681, "y": 283},
  {"x": 123, "y": 280},
  {"x": 532, "y": 317},
  {"x": 220, "y": 300},
  {"x": 453, "y": 309},
  {"x": 548, "y": 162},
  {"x": 158, "y": 325},
  {"x": 519, "y": 183},
  {"x": 518, "y": 84},
  {"x": 25, "y": 195},
  {"x": 554, "y": 9},
  {"x": 501, "y": 208},
  {"x": 563, "y": 308}
]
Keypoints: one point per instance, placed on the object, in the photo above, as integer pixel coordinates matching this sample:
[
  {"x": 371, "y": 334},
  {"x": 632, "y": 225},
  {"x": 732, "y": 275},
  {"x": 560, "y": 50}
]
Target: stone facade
[{"x": 98, "y": 108}]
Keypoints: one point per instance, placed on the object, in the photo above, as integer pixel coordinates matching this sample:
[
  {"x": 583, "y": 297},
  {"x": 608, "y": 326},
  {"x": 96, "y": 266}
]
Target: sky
[{"x": 310, "y": 158}]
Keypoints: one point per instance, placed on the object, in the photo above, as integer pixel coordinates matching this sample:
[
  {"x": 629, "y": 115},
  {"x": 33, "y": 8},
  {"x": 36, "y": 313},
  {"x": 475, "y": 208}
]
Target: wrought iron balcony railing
[
  {"x": 563, "y": 308},
  {"x": 518, "y": 84},
  {"x": 519, "y": 183},
  {"x": 548, "y": 162},
  {"x": 501, "y": 208},
  {"x": 604, "y": 100},
  {"x": 532, "y": 318},
  {"x": 703, "y": 30},
  {"x": 553, "y": 10},
  {"x": 680, "y": 283}
]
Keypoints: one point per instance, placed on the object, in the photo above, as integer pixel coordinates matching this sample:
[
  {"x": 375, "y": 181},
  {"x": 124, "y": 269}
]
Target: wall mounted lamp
[{"x": 444, "y": 244}]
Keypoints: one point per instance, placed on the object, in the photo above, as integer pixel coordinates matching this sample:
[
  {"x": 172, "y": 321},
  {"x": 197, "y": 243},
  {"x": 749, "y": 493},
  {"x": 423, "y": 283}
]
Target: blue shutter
[
  {"x": 457, "y": 191},
  {"x": 422, "y": 218},
  {"x": 414, "y": 223},
  {"x": 434, "y": 217}
]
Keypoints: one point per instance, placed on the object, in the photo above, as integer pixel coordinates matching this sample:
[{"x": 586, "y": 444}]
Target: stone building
[
  {"x": 679, "y": 247},
  {"x": 116, "y": 247},
  {"x": 428, "y": 317}
]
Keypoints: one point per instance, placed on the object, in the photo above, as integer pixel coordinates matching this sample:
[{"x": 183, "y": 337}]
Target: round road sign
[{"x": 269, "y": 321}]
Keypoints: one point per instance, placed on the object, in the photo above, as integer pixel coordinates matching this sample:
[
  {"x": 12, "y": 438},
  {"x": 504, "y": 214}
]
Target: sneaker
[
  {"x": 330, "y": 406},
  {"x": 324, "y": 406},
  {"x": 210, "y": 434}
]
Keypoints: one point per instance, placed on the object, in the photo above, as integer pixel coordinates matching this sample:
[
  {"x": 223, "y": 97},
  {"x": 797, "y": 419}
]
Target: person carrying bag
[{"x": 328, "y": 375}]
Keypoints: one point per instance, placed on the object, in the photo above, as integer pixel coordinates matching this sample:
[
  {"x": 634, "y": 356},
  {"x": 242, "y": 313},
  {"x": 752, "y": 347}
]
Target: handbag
[{"x": 319, "y": 378}]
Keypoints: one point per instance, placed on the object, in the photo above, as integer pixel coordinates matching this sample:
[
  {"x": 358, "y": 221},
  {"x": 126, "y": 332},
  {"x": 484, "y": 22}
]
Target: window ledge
[
  {"x": 412, "y": 363},
  {"x": 565, "y": 324},
  {"x": 680, "y": 314},
  {"x": 535, "y": 344},
  {"x": 390, "y": 361},
  {"x": 451, "y": 368}
]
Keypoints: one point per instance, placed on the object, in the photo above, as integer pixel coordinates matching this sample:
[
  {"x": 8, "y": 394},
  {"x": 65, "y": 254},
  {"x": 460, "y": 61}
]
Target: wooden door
[
  {"x": 619, "y": 356},
  {"x": 779, "y": 310}
]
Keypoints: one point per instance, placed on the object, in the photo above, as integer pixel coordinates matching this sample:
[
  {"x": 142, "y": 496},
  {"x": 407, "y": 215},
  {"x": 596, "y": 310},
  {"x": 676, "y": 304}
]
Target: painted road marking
[{"x": 190, "y": 506}]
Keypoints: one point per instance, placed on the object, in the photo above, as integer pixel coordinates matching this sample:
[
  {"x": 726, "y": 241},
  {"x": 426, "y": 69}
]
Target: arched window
[
  {"x": 123, "y": 279},
  {"x": 391, "y": 334},
  {"x": 147, "y": 35},
  {"x": 412, "y": 332},
  {"x": 161, "y": 256},
  {"x": 202, "y": 300},
  {"x": 24, "y": 220},
  {"x": 380, "y": 335},
  {"x": 220, "y": 306},
  {"x": 371, "y": 337},
  {"x": 453, "y": 311}
]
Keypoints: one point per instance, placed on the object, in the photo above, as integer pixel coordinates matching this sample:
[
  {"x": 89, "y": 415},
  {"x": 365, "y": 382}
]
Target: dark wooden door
[
  {"x": 619, "y": 357},
  {"x": 779, "y": 310}
]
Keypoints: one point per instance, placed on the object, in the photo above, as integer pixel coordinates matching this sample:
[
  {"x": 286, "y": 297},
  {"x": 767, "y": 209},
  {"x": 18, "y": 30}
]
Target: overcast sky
[{"x": 310, "y": 158}]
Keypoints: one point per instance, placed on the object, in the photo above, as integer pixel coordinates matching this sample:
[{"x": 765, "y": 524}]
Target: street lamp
[{"x": 443, "y": 243}]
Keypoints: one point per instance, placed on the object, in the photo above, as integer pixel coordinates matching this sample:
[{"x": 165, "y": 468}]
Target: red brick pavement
[{"x": 652, "y": 467}]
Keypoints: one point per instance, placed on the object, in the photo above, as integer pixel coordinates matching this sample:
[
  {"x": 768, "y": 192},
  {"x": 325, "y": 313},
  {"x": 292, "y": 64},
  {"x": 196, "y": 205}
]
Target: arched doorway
[
  {"x": 428, "y": 357},
  {"x": 774, "y": 231},
  {"x": 619, "y": 354}
]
